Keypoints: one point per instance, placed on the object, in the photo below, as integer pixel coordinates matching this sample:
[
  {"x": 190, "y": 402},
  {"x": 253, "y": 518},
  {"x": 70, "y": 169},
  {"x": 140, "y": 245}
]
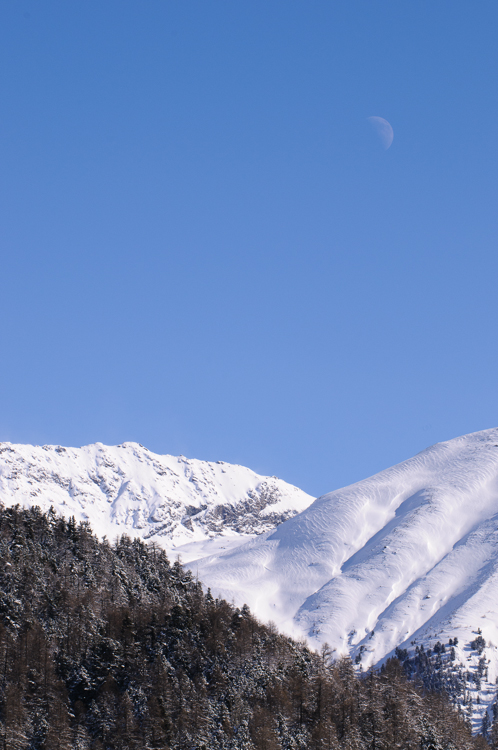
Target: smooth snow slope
[
  {"x": 408, "y": 555},
  {"x": 127, "y": 489}
]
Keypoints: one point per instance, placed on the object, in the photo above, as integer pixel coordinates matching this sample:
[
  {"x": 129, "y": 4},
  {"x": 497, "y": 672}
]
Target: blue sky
[{"x": 205, "y": 248}]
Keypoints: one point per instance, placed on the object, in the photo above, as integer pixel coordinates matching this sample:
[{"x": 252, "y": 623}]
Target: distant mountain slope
[
  {"x": 128, "y": 489},
  {"x": 408, "y": 557}
]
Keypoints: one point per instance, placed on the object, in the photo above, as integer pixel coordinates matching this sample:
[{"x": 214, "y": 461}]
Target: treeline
[
  {"x": 438, "y": 670},
  {"x": 110, "y": 647}
]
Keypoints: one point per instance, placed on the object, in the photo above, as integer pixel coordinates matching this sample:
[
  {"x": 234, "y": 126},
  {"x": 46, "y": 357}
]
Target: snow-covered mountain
[
  {"x": 404, "y": 559},
  {"x": 174, "y": 501}
]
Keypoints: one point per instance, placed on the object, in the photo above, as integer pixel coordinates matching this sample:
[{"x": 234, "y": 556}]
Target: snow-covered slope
[
  {"x": 408, "y": 557},
  {"x": 127, "y": 489}
]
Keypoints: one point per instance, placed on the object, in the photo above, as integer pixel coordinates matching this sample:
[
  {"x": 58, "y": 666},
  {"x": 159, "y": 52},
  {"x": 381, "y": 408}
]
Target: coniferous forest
[{"x": 112, "y": 647}]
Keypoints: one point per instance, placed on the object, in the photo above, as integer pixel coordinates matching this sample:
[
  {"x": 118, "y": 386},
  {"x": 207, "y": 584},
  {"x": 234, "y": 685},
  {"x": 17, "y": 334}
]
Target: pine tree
[{"x": 16, "y": 727}]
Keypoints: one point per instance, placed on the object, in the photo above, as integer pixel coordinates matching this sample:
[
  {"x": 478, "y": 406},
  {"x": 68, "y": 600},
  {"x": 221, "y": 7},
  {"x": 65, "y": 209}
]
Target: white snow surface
[
  {"x": 174, "y": 501},
  {"x": 406, "y": 557}
]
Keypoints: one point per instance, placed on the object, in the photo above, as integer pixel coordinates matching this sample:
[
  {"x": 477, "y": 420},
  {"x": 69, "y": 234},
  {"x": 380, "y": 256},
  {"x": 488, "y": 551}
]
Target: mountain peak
[
  {"x": 404, "y": 558},
  {"x": 128, "y": 489}
]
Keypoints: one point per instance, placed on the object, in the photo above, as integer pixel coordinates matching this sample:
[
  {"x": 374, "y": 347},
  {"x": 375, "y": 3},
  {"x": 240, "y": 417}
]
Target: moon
[{"x": 383, "y": 129}]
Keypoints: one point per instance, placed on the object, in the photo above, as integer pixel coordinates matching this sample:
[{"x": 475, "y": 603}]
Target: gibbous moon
[{"x": 383, "y": 130}]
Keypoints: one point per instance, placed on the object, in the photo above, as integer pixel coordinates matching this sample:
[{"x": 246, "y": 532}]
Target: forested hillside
[{"x": 113, "y": 647}]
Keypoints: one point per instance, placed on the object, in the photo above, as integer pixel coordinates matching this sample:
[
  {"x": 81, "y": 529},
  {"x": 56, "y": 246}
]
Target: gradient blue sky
[{"x": 205, "y": 249}]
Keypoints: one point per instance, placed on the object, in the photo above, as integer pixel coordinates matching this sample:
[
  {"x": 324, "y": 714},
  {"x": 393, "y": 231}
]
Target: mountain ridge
[{"x": 172, "y": 500}]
